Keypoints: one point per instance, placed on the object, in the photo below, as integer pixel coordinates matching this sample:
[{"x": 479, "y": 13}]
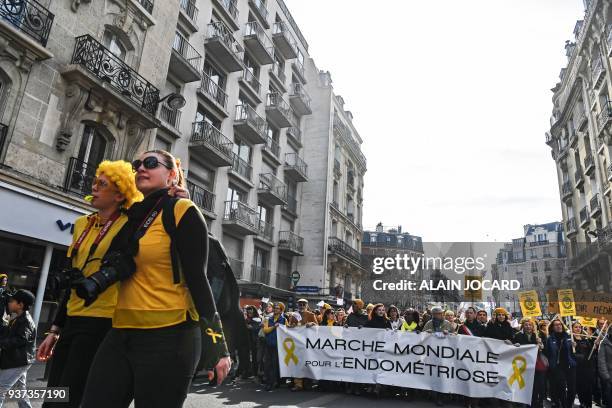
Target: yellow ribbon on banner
[
  {"x": 518, "y": 372},
  {"x": 289, "y": 350},
  {"x": 213, "y": 334}
]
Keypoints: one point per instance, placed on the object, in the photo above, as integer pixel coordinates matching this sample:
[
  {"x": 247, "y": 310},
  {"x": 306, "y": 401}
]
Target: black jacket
[
  {"x": 18, "y": 342},
  {"x": 356, "y": 319},
  {"x": 499, "y": 331},
  {"x": 521, "y": 338},
  {"x": 378, "y": 323}
]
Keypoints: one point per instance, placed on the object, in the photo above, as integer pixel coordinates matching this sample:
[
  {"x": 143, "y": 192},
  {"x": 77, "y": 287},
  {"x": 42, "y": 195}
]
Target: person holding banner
[
  {"x": 378, "y": 318},
  {"x": 604, "y": 362},
  {"x": 397, "y": 322},
  {"x": 272, "y": 371},
  {"x": 499, "y": 327},
  {"x": 562, "y": 365},
  {"x": 471, "y": 326},
  {"x": 527, "y": 335},
  {"x": 438, "y": 324},
  {"x": 585, "y": 368},
  {"x": 411, "y": 320},
  {"x": 340, "y": 316},
  {"x": 328, "y": 318}
]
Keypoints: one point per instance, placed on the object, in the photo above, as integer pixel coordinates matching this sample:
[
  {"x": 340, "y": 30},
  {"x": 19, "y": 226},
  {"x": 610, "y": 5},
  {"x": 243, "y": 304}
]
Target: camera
[{"x": 68, "y": 277}]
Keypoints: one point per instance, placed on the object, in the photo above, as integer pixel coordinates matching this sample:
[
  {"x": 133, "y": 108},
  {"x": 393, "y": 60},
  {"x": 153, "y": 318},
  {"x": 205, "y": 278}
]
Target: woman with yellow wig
[{"x": 78, "y": 328}]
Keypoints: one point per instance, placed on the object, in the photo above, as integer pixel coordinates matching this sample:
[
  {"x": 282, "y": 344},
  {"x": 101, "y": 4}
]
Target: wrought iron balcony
[
  {"x": 221, "y": 43},
  {"x": 578, "y": 178},
  {"x": 260, "y": 274},
  {"x": 585, "y": 217},
  {"x": 271, "y": 190},
  {"x": 249, "y": 78},
  {"x": 241, "y": 167},
  {"x": 230, "y": 9},
  {"x": 211, "y": 144},
  {"x": 300, "y": 100},
  {"x": 294, "y": 134},
  {"x": 291, "y": 205},
  {"x": 566, "y": 190},
  {"x": 185, "y": 61},
  {"x": 539, "y": 243},
  {"x": 284, "y": 40},
  {"x": 260, "y": 10},
  {"x": 278, "y": 110},
  {"x": 595, "y": 205},
  {"x": 258, "y": 42},
  {"x": 298, "y": 68},
  {"x": 342, "y": 131},
  {"x": 213, "y": 91},
  {"x": 107, "y": 67},
  {"x": 250, "y": 125},
  {"x": 201, "y": 197},
  {"x": 589, "y": 164},
  {"x": 291, "y": 243},
  {"x": 296, "y": 167},
  {"x": 170, "y": 116},
  {"x": 79, "y": 177},
  {"x": 604, "y": 117},
  {"x": 339, "y": 247},
  {"x": 240, "y": 218},
  {"x": 237, "y": 267},
  {"x": 29, "y": 17},
  {"x": 265, "y": 230},
  {"x": 278, "y": 74},
  {"x": 147, "y": 5},
  {"x": 570, "y": 227},
  {"x": 191, "y": 11},
  {"x": 597, "y": 71},
  {"x": 272, "y": 149}
]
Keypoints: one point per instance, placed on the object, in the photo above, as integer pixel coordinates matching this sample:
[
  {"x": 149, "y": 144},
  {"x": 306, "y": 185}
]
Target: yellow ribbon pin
[
  {"x": 289, "y": 346},
  {"x": 213, "y": 334},
  {"x": 518, "y": 371}
]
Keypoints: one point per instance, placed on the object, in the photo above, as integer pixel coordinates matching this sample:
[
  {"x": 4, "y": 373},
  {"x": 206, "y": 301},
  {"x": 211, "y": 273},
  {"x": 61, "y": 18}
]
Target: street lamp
[{"x": 175, "y": 101}]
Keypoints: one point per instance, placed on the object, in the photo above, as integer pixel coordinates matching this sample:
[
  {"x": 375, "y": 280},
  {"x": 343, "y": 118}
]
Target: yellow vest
[
  {"x": 104, "y": 306},
  {"x": 150, "y": 299}
]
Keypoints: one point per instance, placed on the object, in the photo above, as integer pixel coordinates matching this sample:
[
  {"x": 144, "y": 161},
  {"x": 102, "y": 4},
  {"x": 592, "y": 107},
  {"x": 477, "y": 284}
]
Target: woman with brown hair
[{"x": 163, "y": 306}]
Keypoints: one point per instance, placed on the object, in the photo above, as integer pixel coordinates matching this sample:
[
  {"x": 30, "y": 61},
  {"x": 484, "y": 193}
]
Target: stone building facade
[{"x": 83, "y": 81}]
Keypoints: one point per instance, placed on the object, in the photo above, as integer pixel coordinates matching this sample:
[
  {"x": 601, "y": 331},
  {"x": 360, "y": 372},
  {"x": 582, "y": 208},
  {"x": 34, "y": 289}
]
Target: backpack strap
[{"x": 169, "y": 222}]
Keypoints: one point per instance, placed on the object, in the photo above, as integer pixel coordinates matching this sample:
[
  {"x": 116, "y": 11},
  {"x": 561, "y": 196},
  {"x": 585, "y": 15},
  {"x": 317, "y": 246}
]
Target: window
[
  {"x": 335, "y": 193},
  {"x": 264, "y": 213},
  {"x": 236, "y": 194},
  {"x": 242, "y": 150},
  {"x": 162, "y": 144},
  {"x": 112, "y": 42},
  {"x": 251, "y": 66},
  {"x": 261, "y": 258},
  {"x": 202, "y": 115},
  {"x": 93, "y": 146},
  {"x": 216, "y": 77}
]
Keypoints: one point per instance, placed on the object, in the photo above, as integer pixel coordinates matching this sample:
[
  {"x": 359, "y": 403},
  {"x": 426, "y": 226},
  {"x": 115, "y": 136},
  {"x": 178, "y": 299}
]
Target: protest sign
[
  {"x": 567, "y": 306},
  {"x": 530, "y": 305},
  {"x": 466, "y": 365},
  {"x": 588, "y": 304}
]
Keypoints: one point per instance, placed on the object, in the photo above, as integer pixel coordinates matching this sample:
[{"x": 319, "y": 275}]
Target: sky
[{"x": 452, "y": 100}]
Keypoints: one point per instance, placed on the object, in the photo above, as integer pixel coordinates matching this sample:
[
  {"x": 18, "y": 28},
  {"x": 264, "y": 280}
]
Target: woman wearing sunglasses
[
  {"x": 77, "y": 330},
  {"x": 152, "y": 350}
]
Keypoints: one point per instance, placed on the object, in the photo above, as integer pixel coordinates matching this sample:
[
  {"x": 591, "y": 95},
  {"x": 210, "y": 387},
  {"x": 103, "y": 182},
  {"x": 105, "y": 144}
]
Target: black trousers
[
  {"x": 539, "y": 390},
  {"x": 563, "y": 386},
  {"x": 73, "y": 355},
  {"x": 585, "y": 377},
  {"x": 154, "y": 367},
  {"x": 271, "y": 365}
]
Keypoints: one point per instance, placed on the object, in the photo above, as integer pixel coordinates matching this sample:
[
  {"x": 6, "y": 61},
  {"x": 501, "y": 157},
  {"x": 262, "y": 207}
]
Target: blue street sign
[{"x": 307, "y": 289}]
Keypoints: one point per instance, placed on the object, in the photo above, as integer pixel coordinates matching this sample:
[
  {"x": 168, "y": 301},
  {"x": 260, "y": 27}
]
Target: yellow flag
[
  {"x": 530, "y": 305},
  {"x": 567, "y": 306},
  {"x": 587, "y": 321}
]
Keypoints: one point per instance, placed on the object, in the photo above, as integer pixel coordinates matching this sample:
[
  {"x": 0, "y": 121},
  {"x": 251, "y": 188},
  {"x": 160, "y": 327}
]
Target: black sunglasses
[{"x": 149, "y": 163}]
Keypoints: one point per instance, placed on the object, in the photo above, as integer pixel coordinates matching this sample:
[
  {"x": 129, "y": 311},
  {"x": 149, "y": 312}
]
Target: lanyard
[
  {"x": 103, "y": 232},
  {"x": 146, "y": 223}
]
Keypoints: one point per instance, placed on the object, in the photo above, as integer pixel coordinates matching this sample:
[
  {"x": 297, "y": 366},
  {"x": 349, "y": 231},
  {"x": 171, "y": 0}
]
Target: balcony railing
[
  {"x": 260, "y": 274},
  {"x": 570, "y": 225},
  {"x": 250, "y": 78},
  {"x": 538, "y": 243},
  {"x": 596, "y": 70},
  {"x": 241, "y": 167},
  {"x": 338, "y": 246},
  {"x": 276, "y": 100},
  {"x": 169, "y": 115},
  {"x": 201, "y": 197},
  {"x": 147, "y": 4},
  {"x": 266, "y": 230},
  {"x": 295, "y": 161},
  {"x": 207, "y": 133},
  {"x": 299, "y": 68},
  {"x": 285, "y": 41},
  {"x": 603, "y": 119},
  {"x": 230, "y": 6},
  {"x": 189, "y": 8},
  {"x": 344, "y": 132},
  {"x": 237, "y": 267},
  {"x": 253, "y": 28},
  {"x": 295, "y": 133},
  {"x": 106, "y": 66},
  {"x": 595, "y": 204},
  {"x": 260, "y": 6},
  {"x": 247, "y": 113},
  {"x": 213, "y": 90},
  {"x": 28, "y": 16},
  {"x": 584, "y": 215},
  {"x": 219, "y": 30},
  {"x": 80, "y": 177},
  {"x": 269, "y": 182},
  {"x": 566, "y": 189},
  {"x": 240, "y": 212},
  {"x": 279, "y": 72},
  {"x": 298, "y": 90},
  {"x": 589, "y": 162},
  {"x": 290, "y": 241},
  {"x": 186, "y": 50},
  {"x": 272, "y": 147},
  {"x": 578, "y": 177}
]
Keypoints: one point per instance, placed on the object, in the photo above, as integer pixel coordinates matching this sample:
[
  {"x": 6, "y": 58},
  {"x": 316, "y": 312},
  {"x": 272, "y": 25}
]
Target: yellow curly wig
[{"x": 121, "y": 174}]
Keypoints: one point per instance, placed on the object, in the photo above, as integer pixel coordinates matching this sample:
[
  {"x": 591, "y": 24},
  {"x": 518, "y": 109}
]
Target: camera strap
[
  {"x": 148, "y": 220},
  {"x": 103, "y": 232}
]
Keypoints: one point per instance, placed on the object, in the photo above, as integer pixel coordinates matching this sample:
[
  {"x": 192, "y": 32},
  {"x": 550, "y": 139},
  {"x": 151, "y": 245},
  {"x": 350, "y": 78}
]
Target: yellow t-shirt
[
  {"x": 104, "y": 306},
  {"x": 150, "y": 299}
]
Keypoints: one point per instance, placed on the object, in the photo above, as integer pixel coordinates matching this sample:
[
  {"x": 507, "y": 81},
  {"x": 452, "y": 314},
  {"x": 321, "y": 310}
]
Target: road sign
[
  {"x": 295, "y": 277},
  {"x": 307, "y": 289}
]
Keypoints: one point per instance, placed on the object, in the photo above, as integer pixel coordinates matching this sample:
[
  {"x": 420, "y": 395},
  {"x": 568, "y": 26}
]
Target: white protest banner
[{"x": 466, "y": 365}]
